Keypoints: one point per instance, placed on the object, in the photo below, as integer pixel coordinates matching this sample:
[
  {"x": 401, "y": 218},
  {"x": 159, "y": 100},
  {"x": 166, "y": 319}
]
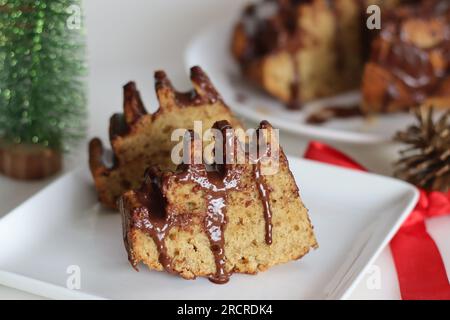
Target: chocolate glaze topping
[
  {"x": 117, "y": 126},
  {"x": 120, "y": 123},
  {"x": 295, "y": 86},
  {"x": 204, "y": 93},
  {"x": 134, "y": 109},
  {"x": 133, "y": 105},
  {"x": 410, "y": 64},
  {"x": 215, "y": 182}
]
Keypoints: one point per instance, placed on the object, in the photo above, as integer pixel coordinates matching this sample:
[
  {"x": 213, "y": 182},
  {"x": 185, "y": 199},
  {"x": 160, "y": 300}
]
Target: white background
[{"x": 129, "y": 40}]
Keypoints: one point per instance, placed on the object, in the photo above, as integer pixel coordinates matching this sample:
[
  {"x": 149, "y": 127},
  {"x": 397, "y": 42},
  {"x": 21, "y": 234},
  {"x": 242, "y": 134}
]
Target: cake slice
[
  {"x": 214, "y": 219},
  {"x": 410, "y": 60},
  {"x": 139, "y": 139},
  {"x": 298, "y": 51}
]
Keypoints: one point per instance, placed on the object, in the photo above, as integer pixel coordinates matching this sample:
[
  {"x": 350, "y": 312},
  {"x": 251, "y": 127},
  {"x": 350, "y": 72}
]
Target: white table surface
[{"x": 128, "y": 40}]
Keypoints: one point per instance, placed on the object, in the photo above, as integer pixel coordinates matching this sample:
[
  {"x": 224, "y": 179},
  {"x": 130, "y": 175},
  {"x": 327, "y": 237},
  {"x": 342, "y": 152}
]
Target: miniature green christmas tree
[{"x": 42, "y": 92}]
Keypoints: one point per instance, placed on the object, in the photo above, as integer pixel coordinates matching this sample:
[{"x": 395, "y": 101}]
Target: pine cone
[{"x": 426, "y": 163}]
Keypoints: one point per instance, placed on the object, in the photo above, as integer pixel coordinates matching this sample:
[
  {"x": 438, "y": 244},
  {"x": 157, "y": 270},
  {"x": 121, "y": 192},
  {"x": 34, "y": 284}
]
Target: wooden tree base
[{"x": 29, "y": 162}]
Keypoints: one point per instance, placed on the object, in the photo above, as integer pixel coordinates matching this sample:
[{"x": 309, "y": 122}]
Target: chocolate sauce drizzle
[
  {"x": 215, "y": 182},
  {"x": 295, "y": 87},
  {"x": 263, "y": 189},
  {"x": 153, "y": 217},
  {"x": 264, "y": 195}
]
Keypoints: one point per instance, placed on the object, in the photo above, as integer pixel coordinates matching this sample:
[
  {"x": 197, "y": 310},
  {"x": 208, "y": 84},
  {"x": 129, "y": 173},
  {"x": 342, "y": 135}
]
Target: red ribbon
[{"x": 420, "y": 269}]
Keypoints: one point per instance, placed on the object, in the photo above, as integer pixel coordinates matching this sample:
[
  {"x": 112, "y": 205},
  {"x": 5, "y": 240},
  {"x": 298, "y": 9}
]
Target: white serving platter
[
  {"x": 211, "y": 50},
  {"x": 63, "y": 230}
]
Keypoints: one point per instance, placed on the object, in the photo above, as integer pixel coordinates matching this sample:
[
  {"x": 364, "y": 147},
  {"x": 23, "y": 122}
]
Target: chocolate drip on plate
[{"x": 334, "y": 112}]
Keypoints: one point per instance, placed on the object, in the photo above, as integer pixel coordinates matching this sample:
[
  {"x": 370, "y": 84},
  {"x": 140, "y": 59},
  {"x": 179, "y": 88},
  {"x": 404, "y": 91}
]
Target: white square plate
[
  {"x": 211, "y": 50},
  {"x": 355, "y": 215}
]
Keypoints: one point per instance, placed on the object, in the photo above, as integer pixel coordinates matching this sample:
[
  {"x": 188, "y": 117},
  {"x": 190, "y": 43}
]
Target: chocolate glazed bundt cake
[
  {"x": 140, "y": 140},
  {"x": 300, "y": 50},
  {"x": 214, "y": 219},
  {"x": 410, "y": 61}
]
